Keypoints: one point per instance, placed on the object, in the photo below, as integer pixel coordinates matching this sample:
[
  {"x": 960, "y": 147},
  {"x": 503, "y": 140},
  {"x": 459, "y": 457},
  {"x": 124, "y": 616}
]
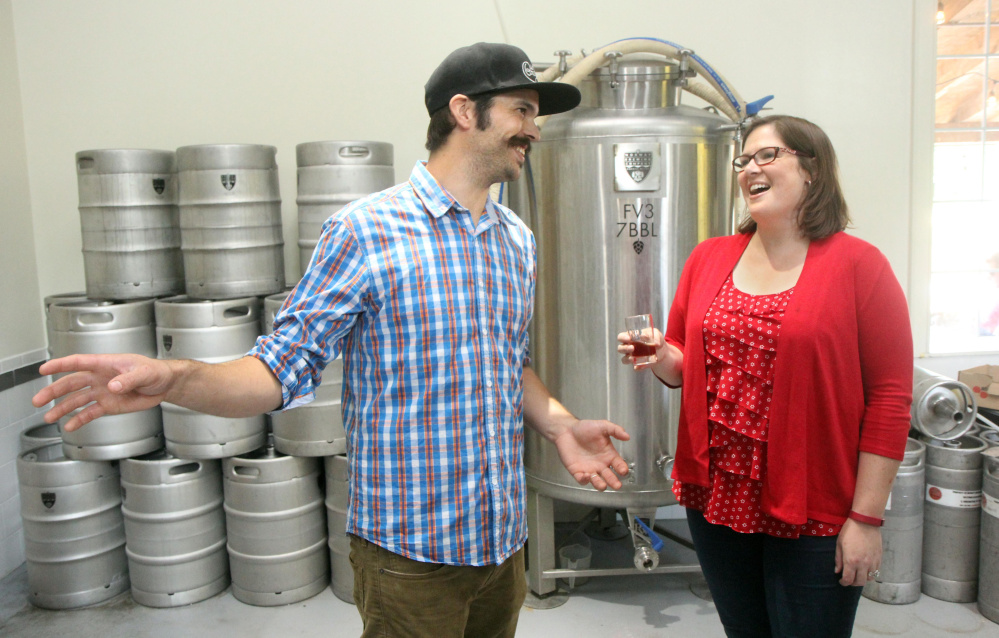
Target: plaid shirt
[{"x": 431, "y": 315}]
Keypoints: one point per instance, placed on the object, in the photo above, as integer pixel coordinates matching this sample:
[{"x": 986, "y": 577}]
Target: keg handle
[
  {"x": 352, "y": 152},
  {"x": 246, "y": 471},
  {"x": 186, "y": 468},
  {"x": 94, "y": 318}
]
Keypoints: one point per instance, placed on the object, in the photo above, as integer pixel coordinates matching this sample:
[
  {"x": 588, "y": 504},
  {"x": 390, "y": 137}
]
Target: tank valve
[
  {"x": 613, "y": 56},
  {"x": 647, "y": 545},
  {"x": 646, "y": 558},
  {"x": 563, "y": 66},
  {"x": 665, "y": 464}
]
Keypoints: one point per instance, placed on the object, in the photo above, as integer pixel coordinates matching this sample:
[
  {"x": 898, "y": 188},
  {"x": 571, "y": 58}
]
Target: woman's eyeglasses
[{"x": 763, "y": 157}]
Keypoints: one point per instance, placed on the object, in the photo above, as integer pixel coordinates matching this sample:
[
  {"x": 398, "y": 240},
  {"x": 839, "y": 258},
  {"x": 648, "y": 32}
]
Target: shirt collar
[{"x": 438, "y": 201}]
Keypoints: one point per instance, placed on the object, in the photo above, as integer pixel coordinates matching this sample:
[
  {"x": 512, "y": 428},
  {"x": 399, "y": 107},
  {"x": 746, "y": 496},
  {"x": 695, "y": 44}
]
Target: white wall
[
  {"x": 126, "y": 74},
  {"x": 21, "y": 327}
]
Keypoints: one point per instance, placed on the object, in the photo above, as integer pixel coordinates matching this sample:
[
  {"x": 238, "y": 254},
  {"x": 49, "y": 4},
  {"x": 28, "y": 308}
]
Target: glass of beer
[{"x": 642, "y": 338}]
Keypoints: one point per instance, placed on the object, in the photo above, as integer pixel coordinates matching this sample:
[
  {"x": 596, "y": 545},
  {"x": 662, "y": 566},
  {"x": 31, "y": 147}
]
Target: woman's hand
[
  {"x": 626, "y": 348},
  {"x": 858, "y": 553},
  {"x": 669, "y": 359}
]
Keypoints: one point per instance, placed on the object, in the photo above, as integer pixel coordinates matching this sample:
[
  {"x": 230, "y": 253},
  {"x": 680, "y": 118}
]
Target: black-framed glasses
[{"x": 763, "y": 157}]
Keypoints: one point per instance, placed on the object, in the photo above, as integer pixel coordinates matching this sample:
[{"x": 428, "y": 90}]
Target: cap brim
[{"x": 553, "y": 97}]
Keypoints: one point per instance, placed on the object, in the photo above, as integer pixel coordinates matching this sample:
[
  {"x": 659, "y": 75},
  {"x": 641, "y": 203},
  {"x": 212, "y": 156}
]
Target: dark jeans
[
  {"x": 402, "y": 598},
  {"x": 767, "y": 586}
]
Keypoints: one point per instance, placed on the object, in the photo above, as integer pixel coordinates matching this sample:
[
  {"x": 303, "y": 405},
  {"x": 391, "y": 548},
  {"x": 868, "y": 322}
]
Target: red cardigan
[{"x": 842, "y": 378}]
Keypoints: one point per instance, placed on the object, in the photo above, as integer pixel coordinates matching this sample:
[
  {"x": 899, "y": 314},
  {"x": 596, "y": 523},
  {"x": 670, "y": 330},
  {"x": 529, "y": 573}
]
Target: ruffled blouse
[{"x": 740, "y": 343}]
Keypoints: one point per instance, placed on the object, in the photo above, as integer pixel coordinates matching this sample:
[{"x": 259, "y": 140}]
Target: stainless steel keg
[
  {"x": 74, "y": 536},
  {"x": 902, "y": 533},
  {"x": 952, "y": 518},
  {"x": 990, "y": 437},
  {"x": 213, "y": 332},
  {"x": 40, "y": 435},
  {"x": 276, "y": 527},
  {"x": 988, "y": 566},
  {"x": 942, "y": 408},
  {"x": 60, "y": 297},
  {"x": 230, "y": 220},
  {"x": 337, "y": 495},
  {"x": 107, "y": 327},
  {"x": 330, "y": 176},
  {"x": 174, "y": 529},
  {"x": 314, "y": 429},
  {"x": 130, "y": 225}
]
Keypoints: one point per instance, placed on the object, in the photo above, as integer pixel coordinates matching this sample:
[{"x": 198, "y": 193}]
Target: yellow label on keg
[
  {"x": 960, "y": 499},
  {"x": 990, "y": 505}
]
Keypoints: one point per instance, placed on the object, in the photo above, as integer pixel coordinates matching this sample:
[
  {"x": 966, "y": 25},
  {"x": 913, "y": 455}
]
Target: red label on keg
[
  {"x": 960, "y": 499},
  {"x": 990, "y": 505}
]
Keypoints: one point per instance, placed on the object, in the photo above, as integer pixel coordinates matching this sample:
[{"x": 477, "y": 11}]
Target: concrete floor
[{"x": 636, "y": 606}]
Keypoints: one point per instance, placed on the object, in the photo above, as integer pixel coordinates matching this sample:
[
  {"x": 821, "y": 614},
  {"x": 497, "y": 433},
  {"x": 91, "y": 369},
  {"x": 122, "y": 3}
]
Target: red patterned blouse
[{"x": 740, "y": 342}]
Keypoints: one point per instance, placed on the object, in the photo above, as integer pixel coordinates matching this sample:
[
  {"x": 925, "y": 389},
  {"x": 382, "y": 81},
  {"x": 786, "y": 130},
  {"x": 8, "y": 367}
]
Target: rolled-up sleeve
[
  {"x": 885, "y": 339},
  {"x": 317, "y": 315}
]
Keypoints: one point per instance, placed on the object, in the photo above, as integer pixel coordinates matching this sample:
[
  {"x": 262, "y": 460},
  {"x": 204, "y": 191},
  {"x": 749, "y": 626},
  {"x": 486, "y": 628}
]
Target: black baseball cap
[{"x": 494, "y": 68}]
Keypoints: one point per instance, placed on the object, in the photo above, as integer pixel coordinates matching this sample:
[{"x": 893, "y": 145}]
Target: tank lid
[
  {"x": 344, "y": 152},
  {"x": 640, "y": 68}
]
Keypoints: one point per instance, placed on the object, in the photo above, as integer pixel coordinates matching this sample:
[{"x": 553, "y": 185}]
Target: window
[{"x": 964, "y": 279}]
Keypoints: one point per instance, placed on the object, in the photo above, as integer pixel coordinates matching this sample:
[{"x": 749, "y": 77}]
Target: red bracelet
[{"x": 866, "y": 520}]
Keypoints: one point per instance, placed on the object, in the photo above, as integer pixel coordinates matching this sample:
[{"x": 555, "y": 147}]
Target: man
[{"x": 427, "y": 288}]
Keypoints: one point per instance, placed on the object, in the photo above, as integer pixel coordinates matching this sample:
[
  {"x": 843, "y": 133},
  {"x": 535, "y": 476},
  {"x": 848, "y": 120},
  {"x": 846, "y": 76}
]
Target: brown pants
[{"x": 402, "y": 598}]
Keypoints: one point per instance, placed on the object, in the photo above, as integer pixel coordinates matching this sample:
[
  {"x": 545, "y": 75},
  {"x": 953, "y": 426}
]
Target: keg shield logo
[
  {"x": 159, "y": 184},
  {"x": 228, "y": 181},
  {"x": 167, "y": 342},
  {"x": 637, "y": 167},
  {"x": 48, "y": 499},
  {"x": 638, "y": 164}
]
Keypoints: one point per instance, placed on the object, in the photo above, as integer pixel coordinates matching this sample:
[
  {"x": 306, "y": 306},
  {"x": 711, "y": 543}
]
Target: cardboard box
[{"x": 984, "y": 384}]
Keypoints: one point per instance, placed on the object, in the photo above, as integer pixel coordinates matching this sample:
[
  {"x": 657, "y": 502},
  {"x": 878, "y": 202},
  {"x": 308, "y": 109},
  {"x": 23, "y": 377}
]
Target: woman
[{"x": 792, "y": 343}]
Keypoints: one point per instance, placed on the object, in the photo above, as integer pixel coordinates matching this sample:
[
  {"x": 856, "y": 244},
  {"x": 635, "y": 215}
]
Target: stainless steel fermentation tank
[{"x": 618, "y": 192}]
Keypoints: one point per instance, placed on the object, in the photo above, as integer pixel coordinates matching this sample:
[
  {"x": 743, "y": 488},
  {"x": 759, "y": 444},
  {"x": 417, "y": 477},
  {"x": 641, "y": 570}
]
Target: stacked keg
[
  {"x": 74, "y": 537},
  {"x": 213, "y": 332},
  {"x": 105, "y": 327},
  {"x": 276, "y": 526},
  {"x": 315, "y": 429},
  {"x": 902, "y": 533},
  {"x": 230, "y": 220},
  {"x": 988, "y": 565},
  {"x": 128, "y": 219},
  {"x": 331, "y": 175},
  {"x": 182, "y": 250}
]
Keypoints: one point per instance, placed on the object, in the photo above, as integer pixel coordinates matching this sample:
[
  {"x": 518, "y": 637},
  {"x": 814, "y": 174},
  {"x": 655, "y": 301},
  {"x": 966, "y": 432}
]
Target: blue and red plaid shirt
[{"x": 431, "y": 316}]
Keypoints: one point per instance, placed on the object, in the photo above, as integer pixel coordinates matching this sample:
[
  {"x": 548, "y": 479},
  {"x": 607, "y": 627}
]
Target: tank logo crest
[
  {"x": 639, "y": 246},
  {"x": 158, "y": 185},
  {"x": 637, "y": 164},
  {"x": 228, "y": 180},
  {"x": 167, "y": 342},
  {"x": 529, "y": 71},
  {"x": 48, "y": 499}
]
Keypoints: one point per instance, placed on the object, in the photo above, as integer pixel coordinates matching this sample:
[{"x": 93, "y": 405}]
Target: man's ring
[
  {"x": 876, "y": 574},
  {"x": 594, "y": 475}
]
